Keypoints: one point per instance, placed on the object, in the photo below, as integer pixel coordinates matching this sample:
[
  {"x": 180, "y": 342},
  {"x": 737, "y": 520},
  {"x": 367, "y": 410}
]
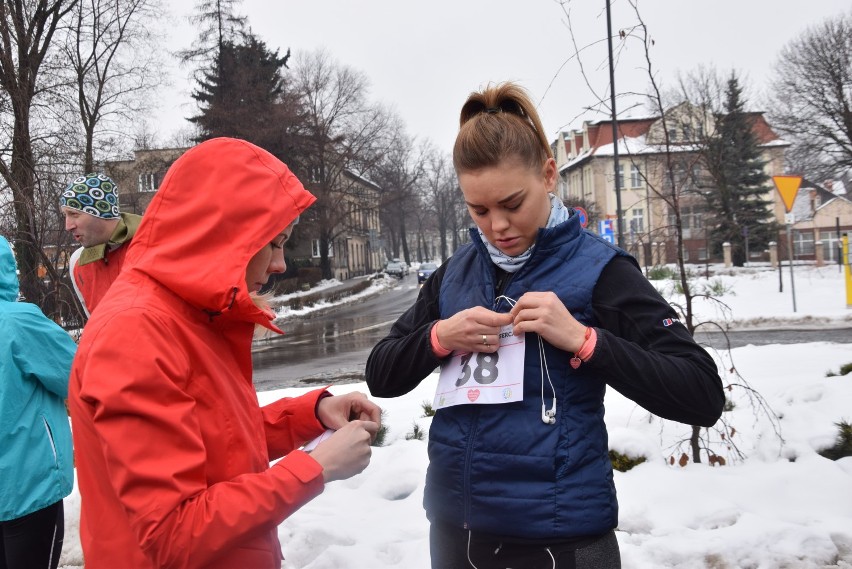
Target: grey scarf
[{"x": 558, "y": 214}]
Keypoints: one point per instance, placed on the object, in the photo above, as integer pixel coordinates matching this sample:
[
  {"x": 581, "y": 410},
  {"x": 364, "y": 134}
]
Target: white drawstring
[
  {"x": 548, "y": 416},
  {"x": 496, "y": 551},
  {"x": 468, "y": 550},
  {"x": 552, "y": 558}
]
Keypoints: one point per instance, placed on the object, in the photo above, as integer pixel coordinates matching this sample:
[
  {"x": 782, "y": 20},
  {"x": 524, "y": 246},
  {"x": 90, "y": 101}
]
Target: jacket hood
[
  {"x": 9, "y": 286},
  {"x": 219, "y": 204}
]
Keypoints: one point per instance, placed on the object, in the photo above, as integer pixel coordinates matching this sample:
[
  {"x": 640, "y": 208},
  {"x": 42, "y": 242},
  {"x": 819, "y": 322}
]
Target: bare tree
[
  {"x": 673, "y": 163},
  {"x": 812, "y": 97},
  {"x": 343, "y": 137},
  {"x": 27, "y": 31},
  {"x": 398, "y": 174},
  {"x": 444, "y": 199},
  {"x": 111, "y": 47}
]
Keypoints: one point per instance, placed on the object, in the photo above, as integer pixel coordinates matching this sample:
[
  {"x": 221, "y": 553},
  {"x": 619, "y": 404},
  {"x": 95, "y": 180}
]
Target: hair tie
[{"x": 493, "y": 110}]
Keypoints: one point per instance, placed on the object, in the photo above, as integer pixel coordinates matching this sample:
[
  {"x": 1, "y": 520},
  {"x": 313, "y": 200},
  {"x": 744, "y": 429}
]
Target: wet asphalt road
[
  {"x": 333, "y": 347},
  {"x": 740, "y": 338}
]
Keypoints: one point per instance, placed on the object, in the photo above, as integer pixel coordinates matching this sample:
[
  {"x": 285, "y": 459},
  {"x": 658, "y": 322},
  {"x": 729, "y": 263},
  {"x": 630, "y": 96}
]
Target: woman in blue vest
[
  {"x": 530, "y": 322},
  {"x": 36, "y": 466}
]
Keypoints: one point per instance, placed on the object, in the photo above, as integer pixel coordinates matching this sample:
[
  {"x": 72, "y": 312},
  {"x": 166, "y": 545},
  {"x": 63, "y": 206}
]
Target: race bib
[{"x": 484, "y": 378}]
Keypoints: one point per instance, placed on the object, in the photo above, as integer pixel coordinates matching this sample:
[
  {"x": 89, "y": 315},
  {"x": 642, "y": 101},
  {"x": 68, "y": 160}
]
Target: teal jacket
[{"x": 36, "y": 463}]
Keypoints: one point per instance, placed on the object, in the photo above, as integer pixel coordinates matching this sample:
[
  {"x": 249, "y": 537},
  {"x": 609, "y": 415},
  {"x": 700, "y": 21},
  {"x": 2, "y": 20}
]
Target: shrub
[
  {"x": 305, "y": 300},
  {"x": 842, "y": 445},
  {"x": 717, "y": 287},
  {"x": 844, "y": 370},
  {"x": 382, "y": 433},
  {"x": 623, "y": 462},
  {"x": 310, "y": 275},
  {"x": 428, "y": 411},
  {"x": 295, "y": 280},
  {"x": 416, "y": 433},
  {"x": 660, "y": 272}
]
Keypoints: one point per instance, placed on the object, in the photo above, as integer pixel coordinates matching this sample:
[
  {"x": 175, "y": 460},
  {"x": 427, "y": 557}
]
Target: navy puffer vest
[{"x": 500, "y": 469}]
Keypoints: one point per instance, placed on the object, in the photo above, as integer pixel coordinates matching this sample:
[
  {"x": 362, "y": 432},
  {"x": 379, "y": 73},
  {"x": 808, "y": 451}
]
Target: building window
[
  {"x": 635, "y": 176},
  {"x": 831, "y": 245},
  {"x": 621, "y": 175},
  {"x": 148, "y": 183},
  {"x": 315, "y": 249},
  {"x": 691, "y": 221},
  {"x": 803, "y": 243},
  {"x": 637, "y": 220}
]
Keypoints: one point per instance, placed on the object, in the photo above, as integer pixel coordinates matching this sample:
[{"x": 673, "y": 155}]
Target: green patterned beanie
[{"x": 95, "y": 194}]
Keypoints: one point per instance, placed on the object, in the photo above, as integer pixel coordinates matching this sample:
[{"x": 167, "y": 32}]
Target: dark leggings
[
  {"x": 453, "y": 548},
  {"x": 33, "y": 541}
]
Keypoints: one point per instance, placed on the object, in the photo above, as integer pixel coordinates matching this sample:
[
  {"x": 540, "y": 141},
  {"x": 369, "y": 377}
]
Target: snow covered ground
[{"x": 776, "y": 503}]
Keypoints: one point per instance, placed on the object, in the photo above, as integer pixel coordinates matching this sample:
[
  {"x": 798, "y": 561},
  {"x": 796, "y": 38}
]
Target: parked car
[
  {"x": 396, "y": 269},
  {"x": 424, "y": 271},
  {"x": 403, "y": 263}
]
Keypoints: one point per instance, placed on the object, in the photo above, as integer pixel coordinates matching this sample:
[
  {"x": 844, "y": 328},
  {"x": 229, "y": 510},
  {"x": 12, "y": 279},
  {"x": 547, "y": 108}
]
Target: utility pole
[{"x": 620, "y": 230}]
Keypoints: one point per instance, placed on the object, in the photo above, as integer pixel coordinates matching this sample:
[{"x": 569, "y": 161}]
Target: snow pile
[{"x": 783, "y": 505}]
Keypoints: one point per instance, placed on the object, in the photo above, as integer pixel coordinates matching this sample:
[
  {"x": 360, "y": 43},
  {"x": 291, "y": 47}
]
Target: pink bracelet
[
  {"x": 439, "y": 350},
  {"x": 587, "y": 349}
]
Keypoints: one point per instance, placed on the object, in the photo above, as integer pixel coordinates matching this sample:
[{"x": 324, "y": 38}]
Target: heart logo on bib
[{"x": 473, "y": 395}]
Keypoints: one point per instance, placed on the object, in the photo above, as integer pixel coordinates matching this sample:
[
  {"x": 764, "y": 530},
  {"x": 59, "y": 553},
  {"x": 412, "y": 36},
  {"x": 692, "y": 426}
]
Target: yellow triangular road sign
[{"x": 788, "y": 187}]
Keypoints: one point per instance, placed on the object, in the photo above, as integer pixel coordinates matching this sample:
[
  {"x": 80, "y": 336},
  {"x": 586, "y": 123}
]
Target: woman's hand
[
  {"x": 544, "y": 314},
  {"x": 475, "y": 329},
  {"x": 336, "y": 411},
  {"x": 346, "y": 452}
]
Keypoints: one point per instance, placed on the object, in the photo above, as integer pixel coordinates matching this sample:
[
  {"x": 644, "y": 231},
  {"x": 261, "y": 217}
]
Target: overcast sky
[{"x": 423, "y": 58}]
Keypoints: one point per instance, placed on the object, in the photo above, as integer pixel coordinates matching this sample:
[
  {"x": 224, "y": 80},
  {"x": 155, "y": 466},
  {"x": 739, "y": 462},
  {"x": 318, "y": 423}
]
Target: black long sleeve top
[{"x": 642, "y": 351}]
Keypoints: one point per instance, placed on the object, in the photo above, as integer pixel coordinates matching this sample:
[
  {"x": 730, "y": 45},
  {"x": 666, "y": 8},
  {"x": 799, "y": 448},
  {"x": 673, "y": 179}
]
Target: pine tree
[
  {"x": 738, "y": 200},
  {"x": 218, "y": 24},
  {"x": 243, "y": 95}
]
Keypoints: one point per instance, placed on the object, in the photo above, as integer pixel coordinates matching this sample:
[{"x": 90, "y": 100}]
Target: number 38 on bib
[{"x": 476, "y": 378}]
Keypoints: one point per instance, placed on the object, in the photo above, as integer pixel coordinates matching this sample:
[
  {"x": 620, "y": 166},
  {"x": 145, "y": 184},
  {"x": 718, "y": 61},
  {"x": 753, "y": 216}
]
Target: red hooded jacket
[{"x": 172, "y": 448}]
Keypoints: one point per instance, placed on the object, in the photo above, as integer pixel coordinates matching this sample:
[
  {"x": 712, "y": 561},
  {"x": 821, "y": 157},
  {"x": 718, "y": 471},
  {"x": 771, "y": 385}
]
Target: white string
[
  {"x": 496, "y": 551},
  {"x": 552, "y": 558},
  {"x": 542, "y": 362},
  {"x": 468, "y": 551}
]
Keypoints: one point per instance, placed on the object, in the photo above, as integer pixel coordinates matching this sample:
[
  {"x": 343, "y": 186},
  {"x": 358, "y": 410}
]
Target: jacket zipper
[
  {"x": 50, "y": 438},
  {"x": 468, "y": 460},
  {"x": 501, "y": 282},
  {"x": 500, "y": 285}
]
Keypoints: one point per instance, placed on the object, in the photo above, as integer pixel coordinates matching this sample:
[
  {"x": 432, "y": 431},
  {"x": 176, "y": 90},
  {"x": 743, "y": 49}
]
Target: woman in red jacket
[{"x": 172, "y": 449}]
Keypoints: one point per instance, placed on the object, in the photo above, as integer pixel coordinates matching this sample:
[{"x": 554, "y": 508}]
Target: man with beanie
[{"x": 90, "y": 206}]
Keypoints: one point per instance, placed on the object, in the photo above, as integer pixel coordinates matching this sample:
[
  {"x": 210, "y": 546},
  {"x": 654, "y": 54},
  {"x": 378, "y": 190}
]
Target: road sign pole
[
  {"x": 790, "y": 258},
  {"x": 844, "y": 244},
  {"x": 788, "y": 188}
]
